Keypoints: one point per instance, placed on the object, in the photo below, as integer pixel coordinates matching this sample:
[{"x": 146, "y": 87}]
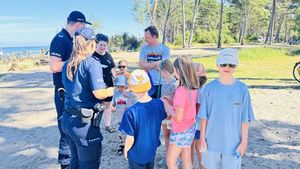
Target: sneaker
[
  {"x": 110, "y": 129},
  {"x": 65, "y": 166}
]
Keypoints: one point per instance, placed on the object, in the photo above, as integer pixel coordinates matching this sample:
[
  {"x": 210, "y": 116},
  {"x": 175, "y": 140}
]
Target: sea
[{"x": 25, "y": 51}]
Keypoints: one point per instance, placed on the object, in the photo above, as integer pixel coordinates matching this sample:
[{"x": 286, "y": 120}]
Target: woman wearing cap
[
  {"x": 83, "y": 81},
  {"x": 108, "y": 65}
]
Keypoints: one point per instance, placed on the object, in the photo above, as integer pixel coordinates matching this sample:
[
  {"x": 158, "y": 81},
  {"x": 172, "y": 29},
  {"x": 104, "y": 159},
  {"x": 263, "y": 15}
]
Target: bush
[
  {"x": 252, "y": 38},
  {"x": 212, "y": 37}
]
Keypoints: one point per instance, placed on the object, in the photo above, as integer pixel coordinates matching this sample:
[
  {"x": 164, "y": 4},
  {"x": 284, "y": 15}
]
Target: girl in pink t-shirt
[{"x": 183, "y": 118}]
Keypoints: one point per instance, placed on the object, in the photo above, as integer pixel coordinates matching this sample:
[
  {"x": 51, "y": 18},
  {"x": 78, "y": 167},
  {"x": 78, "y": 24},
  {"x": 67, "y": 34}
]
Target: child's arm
[
  {"x": 197, "y": 107},
  {"x": 128, "y": 144},
  {"x": 169, "y": 109},
  {"x": 203, "y": 146},
  {"x": 113, "y": 109},
  {"x": 179, "y": 114},
  {"x": 242, "y": 148}
]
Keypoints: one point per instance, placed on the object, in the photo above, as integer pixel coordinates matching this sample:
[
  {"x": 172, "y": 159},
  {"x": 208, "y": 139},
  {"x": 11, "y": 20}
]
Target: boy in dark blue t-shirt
[{"x": 141, "y": 123}]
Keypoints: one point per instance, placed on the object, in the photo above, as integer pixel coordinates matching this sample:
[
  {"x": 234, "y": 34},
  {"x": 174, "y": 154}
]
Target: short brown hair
[
  {"x": 167, "y": 66},
  {"x": 153, "y": 31}
]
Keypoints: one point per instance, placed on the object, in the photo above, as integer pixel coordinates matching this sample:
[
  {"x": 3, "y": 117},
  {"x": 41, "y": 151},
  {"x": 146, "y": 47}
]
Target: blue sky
[{"x": 35, "y": 22}]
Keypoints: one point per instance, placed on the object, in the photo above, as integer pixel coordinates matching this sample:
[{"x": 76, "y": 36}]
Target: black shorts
[
  {"x": 157, "y": 93},
  {"x": 108, "y": 99}
]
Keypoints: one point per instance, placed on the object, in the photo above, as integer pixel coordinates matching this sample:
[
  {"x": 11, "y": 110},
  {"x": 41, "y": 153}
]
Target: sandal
[
  {"x": 110, "y": 129},
  {"x": 121, "y": 150}
]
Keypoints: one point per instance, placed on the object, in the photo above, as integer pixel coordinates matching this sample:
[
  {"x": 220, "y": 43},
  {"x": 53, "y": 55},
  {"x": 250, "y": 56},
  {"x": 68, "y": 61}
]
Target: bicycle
[{"x": 296, "y": 71}]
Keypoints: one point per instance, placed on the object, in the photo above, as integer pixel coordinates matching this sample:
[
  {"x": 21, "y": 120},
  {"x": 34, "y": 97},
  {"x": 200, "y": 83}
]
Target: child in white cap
[
  {"x": 141, "y": 123},
  {"x": 225, "y": 112}
]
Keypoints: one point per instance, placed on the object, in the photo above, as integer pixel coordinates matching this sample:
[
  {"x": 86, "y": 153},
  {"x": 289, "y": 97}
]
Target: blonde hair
[
  {"x": 81, "y": 49},
  {"x": 124, "y": 61},
  {"x": 185, "y": 69},
  {"x": 167, "y": 66}
]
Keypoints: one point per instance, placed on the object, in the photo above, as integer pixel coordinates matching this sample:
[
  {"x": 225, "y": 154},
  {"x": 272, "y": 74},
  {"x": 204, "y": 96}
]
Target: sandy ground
[{"x": 29, "y": 134}]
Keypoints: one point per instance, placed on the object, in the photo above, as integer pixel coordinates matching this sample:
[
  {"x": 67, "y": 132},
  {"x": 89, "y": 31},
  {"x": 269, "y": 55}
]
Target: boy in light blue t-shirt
[{"x": 225, "y": 112}]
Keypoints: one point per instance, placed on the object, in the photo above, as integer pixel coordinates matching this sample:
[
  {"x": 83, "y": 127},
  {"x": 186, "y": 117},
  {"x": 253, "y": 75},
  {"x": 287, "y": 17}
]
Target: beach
[{"x": 29, "y": 134}]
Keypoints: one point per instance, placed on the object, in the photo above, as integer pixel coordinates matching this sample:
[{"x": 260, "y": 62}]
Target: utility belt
[{"x": 92, "y": 116}]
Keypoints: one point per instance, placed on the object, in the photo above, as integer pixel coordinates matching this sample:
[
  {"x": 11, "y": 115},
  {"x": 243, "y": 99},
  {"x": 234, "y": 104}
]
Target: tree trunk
[
  {"x": 247, "y": 13},
  {"x": 153, "y": 12},
  {"x": 277, "y": 37},
  {"x": 286, "y": 31},
  {"x": 166, "y": 21},
  {"x": 183, "y": 23},
  {"x": 271, "y": 27},
  {"x": 241, "y": 31},
  {"x": 220, "y": 24},
  {"x": 268, "y": 33},
  {"x": 195, "y": 12}
]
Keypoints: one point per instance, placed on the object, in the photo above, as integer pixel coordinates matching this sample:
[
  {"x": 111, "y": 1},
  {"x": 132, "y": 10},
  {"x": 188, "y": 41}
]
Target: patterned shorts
[{"x": 183, "y": 139}]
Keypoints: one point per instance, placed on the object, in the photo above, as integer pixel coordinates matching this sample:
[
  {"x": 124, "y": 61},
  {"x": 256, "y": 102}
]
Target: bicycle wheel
[{"x": 296, "y": 71}]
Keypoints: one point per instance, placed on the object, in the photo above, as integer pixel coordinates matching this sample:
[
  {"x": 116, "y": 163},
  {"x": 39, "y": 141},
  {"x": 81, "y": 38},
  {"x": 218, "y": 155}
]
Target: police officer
[
  {"x": 60, "y": 50},
  {"x": 83, "y": 81}
]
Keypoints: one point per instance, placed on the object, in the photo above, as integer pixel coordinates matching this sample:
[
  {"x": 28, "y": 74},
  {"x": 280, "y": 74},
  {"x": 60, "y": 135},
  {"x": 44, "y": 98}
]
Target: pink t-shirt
[{"x": 186, "y": 99}]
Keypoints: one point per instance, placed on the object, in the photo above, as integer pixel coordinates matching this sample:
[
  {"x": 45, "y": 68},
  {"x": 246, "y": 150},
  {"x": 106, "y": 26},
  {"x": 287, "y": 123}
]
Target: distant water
[{"x": 23, "y": 51}]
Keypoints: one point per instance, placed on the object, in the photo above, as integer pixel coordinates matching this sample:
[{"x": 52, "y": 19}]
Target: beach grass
[{"x": 259, "y": 65}]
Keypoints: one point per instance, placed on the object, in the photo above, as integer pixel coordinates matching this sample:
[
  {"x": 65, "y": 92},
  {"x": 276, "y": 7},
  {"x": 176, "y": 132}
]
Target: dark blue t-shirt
[
  {"x": 143, "y": 122},
  {"x": 89, "y": 77},
  {"x": 61, "y": 46}
]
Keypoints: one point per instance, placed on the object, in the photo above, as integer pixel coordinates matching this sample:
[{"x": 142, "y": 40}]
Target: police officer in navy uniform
[
  {"x": 82, "y": 78},
  {"x": 60, "y": 51}
]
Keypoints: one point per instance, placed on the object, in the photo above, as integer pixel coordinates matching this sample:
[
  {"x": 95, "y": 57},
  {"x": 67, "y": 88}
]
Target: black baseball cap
[{"x": 77, "y": 16}]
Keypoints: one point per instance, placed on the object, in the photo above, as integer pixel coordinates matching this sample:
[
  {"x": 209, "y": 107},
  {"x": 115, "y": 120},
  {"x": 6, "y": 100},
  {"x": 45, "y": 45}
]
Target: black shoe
[
  {"x": 65, "y": 166},
  {"x": 121, "y": 150}
]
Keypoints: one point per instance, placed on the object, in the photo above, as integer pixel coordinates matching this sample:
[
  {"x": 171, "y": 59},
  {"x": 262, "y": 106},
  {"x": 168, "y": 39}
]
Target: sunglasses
[
  {"x": 229, "y": 65},
  {"x": 121, "y": 67}
]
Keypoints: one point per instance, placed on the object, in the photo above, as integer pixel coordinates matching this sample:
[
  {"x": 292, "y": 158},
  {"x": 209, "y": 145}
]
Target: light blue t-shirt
[
  {"x": 225, "y": 107},
  {"x": 153, "y": 54},
  {"x": 200, "y": 92}
]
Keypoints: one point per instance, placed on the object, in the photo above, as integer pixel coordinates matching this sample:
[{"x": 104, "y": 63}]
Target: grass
[
  {"x": 23, "y": 64},
  {"x": 259, "y": 65}
]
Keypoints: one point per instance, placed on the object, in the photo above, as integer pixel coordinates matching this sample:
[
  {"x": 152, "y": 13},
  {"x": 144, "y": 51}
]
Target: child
[
  {"x": 183, "y": 120},
  {"x": 122, "y": 66},
  {"x": 225, "y": 112},
  {"x": 141, "y": 123},
  {"x": 121, "y": 101},
  {"x": 201, "y": 75},
  {"x": 167, "y": 92}
]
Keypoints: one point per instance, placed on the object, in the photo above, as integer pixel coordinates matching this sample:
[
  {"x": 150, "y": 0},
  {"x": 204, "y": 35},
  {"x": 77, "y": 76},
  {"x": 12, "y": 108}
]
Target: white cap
[
  {"x": 139, "y": 81},
  {"x": 228, "y": 56}
]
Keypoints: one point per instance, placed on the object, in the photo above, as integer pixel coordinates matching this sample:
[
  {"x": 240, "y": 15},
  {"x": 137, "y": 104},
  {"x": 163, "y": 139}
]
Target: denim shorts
[{"x": 183, "y": 139}]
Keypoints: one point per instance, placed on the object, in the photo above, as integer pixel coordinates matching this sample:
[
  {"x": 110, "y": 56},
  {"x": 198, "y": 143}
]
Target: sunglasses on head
[
  {"x": 121, "y": 67},
  {"x": 229, "y": 65}
]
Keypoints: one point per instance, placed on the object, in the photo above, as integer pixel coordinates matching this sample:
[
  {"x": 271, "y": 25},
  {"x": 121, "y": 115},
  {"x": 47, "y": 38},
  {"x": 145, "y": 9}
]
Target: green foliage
[
  {"x": 125, "y": 42},
  {"x": 212, "y": 37},
  {"x": 242, "y": 19}
]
